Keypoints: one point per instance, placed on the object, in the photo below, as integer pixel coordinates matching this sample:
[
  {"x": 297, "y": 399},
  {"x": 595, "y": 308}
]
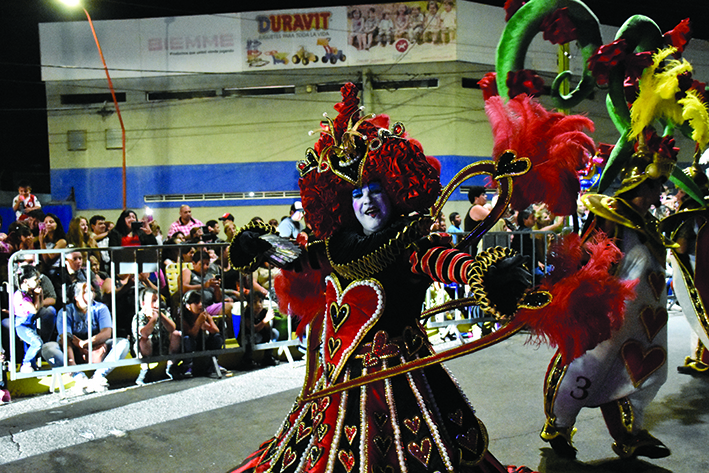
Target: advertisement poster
[
  {"x": 207, "y": 43},
  {"x": 419, "y": 31},
  {"x": 305, "y": 38},
  {"x": 402, "y": 32}
]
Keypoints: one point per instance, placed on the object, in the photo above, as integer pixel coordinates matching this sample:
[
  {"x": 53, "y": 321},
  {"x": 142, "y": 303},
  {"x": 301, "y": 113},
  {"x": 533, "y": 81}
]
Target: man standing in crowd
[
  {"x": 290, "y": 226},
  {"x": 185, "y": 223}
]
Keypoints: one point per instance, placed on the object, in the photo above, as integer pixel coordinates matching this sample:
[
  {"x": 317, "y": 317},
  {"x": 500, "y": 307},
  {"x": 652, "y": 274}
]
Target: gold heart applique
[
  {"x": 347, "y": 459},
  {"x": 508, "y": 165},
  {"x": 385, "y": 469},
  {"x": 317, "y": 419},
  {"x": 320, "y": 405},
  {"x": 350, "y": 433},
  {"x": 422, "y": 451},
  {"x": 653, "y": 320},
  {"x": 381, "y": 348},
  {"x": 456, "y": 417},
  {"x": 657, "y": 283},
  {"x": 468, "y": 440},
  {"x": 288, "y": 458},
  {"x": 302, "y": 432},
  {"x": 313, "y": 456},
  {"x": 321, "y": 430},
  {"x": 641, "y": 364},
  {"x": 413, "y": 341},
  {"x": 413, "y": 424},
  {"x": 380, "y": 418},
  {"x": 382, "y": 443},
  {"x": 333, "y": 344},
  {"x": 338, "y": 315}
]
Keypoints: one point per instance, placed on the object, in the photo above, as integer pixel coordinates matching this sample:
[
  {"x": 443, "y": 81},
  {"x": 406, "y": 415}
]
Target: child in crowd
[
  {"x": 24, "y": 202},
  {"x": 27, "y": 302}
]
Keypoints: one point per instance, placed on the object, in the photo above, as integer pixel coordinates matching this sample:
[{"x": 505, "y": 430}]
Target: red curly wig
[{"x": 410, "y": 179}]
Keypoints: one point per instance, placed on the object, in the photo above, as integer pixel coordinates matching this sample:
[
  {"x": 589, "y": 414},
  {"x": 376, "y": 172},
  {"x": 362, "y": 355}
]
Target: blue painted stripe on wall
[{"x": 101, "y": 188}]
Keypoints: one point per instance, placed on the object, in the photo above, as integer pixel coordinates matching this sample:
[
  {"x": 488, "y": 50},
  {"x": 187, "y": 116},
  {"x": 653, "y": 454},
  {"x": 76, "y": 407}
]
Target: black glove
[
  {"x": 251, "y": 243},
  {"x": 506, "y": 282}
]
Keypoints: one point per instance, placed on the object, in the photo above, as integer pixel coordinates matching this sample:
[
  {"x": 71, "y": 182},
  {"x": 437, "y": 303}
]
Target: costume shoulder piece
[{"x": 618, "y": 211}]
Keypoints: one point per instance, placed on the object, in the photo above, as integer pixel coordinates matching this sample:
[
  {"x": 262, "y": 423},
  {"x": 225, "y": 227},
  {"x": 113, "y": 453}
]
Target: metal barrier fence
[
  {"x": 147, "y": 263},
  {"x": 130, "y": 269}
]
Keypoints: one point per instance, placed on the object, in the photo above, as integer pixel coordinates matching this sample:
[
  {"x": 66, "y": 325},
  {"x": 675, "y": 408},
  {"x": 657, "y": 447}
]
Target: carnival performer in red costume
[
  {"x": 376, "y": 397},
  {"x": 362, "y": 189}
]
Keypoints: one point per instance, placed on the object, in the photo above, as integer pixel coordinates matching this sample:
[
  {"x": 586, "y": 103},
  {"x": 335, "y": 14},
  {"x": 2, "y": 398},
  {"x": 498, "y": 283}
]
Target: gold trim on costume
[
  {"x": 250, "y": 266},
  {"x": 374, "y": 262},
  {"x": 618, "y": 211}
]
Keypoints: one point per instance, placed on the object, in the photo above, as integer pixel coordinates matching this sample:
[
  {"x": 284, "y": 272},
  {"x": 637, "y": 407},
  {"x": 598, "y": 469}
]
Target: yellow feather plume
[
  {"x": 656, "y": 98},
  {"x": 695, "y": 110}
]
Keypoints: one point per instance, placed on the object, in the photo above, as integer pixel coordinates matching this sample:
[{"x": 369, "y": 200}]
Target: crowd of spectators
[
  {"x": 77, "y": 281},
  {"x": 63, "y": 301}
]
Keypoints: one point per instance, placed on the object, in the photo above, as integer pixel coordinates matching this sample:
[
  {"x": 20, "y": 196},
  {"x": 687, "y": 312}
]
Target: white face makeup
[{"x": 372, "y": 207}]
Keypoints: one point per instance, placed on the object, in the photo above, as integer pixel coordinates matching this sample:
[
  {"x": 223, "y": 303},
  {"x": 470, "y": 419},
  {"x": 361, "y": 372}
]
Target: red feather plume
[
  {"x": 301, "y": 294},
  {"x": 588, "y": 304},
  {"x": 555, "y": 143}
]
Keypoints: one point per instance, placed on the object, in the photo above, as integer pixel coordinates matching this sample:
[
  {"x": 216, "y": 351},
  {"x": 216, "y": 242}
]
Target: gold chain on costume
[{"x": 375, "y": 261}]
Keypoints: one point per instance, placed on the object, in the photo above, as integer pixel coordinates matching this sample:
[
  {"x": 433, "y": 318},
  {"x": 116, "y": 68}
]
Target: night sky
[{"x": 23, "y": 130}]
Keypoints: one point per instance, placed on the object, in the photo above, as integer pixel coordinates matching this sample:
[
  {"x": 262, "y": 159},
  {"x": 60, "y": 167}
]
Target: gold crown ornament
[{"x": 654, "y": 159}]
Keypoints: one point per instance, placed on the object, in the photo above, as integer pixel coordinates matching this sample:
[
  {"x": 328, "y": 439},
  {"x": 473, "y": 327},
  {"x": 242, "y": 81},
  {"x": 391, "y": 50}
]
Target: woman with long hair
[
  {"x": 79, "y": 233},
  {"x": 128, "y": 233},
  {"x": 51, "y": 236}
]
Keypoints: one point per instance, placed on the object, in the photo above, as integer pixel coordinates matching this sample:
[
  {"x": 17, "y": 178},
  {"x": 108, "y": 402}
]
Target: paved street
[{"x": 206, "y": 425}]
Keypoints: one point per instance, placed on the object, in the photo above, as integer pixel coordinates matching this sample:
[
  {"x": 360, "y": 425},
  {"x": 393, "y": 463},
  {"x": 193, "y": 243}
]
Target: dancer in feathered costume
[
  {"x": 376, "y": 397},
  {"x": 623, "y": 373},
  {"x": 690, "y": 263},
  {"x": 366, "y": 189}
]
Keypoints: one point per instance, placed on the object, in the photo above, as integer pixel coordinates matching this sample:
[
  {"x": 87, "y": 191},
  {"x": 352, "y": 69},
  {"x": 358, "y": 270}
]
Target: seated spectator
[
  {"x": 80, "y": 236},
  {"x": 19, "y": 237},
  {"x": 211, "y": 232},
  {"x": 155, "y": 331},
  {"x": 82, "y": 311},
  {"x": 439, "y": 224},
  {"x": 456, "y": 221},
  {"x": 79, "y": 233},
  {"x": 262, "y": 330},
  {"x": 24, "y": 202},
  {"x": 27, "y": 301},
  {"x": 100, "y": 236},
  {"x": 75, "y": 271},
  {"x": 131, "y": 232},
  {"x": 51, "y": 236},
  {"x": 196, "y": 235},
  {"x": 229, "y": 230},
  {"x": 157, "y": 231},
  {"x": 46, "y": 313},
  {"x": 198, "y": 328},
  {"x": 178, "y": 238},
  {"x": 199, "y": 279},
  {"x": 35, "y": 218}
]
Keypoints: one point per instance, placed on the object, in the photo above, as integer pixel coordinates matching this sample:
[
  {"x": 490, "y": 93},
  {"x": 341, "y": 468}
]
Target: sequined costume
[{"x": 420, "y": 421}]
